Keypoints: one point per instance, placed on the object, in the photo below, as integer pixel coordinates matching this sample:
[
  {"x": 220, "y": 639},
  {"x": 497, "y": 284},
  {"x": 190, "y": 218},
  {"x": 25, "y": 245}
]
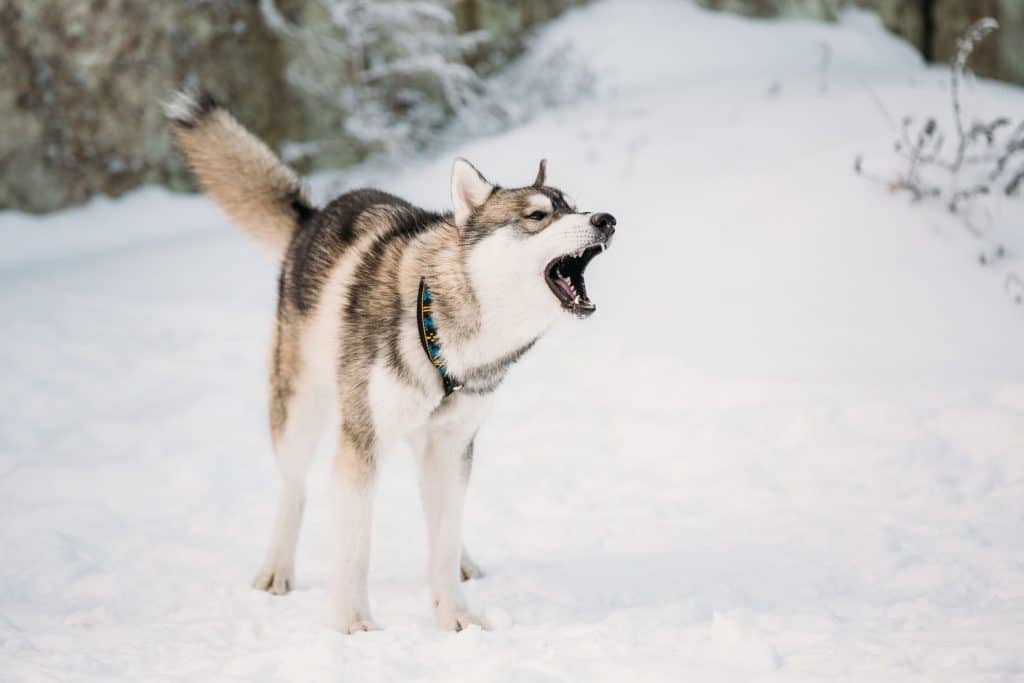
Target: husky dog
[{"x": 400, "y": 320}]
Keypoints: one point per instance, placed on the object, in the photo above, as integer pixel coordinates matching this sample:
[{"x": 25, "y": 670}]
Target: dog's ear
[
  {"x": 469, "y": 190},
  {"x": 541, "y": 173}
]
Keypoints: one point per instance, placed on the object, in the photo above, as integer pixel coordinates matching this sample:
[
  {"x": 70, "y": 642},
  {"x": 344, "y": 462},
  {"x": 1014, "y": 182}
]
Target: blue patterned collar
[{"x": 428, "y": 338}]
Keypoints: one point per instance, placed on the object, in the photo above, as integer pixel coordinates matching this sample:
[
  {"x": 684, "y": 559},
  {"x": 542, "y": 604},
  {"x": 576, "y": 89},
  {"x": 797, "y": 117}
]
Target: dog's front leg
[
  {"x": 444, "y": 474},
  {"x": 353, "y": 480}
]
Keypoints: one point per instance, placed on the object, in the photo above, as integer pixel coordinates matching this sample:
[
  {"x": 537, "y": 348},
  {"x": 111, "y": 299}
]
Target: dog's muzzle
[{"x": 564, "y": 274}]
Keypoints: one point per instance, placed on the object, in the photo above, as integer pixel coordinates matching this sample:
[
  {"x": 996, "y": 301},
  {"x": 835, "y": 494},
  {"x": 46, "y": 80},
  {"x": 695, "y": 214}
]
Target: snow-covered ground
[{"x": 789, "y": 446}]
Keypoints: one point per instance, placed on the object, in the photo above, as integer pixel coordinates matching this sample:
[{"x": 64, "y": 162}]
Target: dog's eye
[{"x": 537, "y": 216}]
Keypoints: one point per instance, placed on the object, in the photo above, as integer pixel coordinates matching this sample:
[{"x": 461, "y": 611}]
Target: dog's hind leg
[
  {"x": 298, "y": 411},
  {"x": 353, "y": 479}
]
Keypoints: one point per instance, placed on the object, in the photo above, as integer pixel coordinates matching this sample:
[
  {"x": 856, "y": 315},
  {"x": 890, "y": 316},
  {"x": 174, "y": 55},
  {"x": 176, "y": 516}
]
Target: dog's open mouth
[{"x": 564, "y": 276}]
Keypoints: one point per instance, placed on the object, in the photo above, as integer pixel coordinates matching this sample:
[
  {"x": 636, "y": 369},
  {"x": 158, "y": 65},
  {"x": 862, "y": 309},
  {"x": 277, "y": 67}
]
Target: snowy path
[{"x": 788, "y": 446}]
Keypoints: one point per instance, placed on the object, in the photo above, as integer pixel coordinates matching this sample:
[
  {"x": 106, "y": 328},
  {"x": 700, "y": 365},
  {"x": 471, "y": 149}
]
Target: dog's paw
[
  {"x": 468, "y": 569},
  {"x": 459, "y": 619},
  {"x": 358, "y": 626},
  {"x": 274, "y": 581},
  {"x": 355, "y": 623}
]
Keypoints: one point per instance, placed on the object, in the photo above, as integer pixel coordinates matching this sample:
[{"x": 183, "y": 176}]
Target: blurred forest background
[{"x": 325, "y": 82}]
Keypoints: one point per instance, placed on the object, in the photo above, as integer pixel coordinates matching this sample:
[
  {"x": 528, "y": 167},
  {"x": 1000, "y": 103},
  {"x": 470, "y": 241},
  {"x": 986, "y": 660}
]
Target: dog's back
[{"x": 340, "y": 227}]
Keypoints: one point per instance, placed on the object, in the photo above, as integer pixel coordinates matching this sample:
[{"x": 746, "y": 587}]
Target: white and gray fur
[{"x": 346, "y": 340}]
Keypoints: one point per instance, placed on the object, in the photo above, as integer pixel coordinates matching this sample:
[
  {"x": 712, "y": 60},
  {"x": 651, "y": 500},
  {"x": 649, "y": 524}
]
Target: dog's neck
[
  {"x": 477, "y": 326},
  {"x": 429, "y": 339}
]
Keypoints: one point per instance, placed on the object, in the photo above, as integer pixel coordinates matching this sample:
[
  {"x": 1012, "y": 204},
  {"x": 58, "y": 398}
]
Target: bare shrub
[
  {"x": 984, "y": 155},
  {"x": 982, "y": 159}
]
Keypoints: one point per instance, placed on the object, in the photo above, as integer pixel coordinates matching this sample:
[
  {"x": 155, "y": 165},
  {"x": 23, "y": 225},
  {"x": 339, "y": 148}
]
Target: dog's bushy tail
[{"x": 261, "y": 196}]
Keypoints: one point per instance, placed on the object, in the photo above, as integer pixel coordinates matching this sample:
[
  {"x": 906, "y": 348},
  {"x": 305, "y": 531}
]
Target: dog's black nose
[{"x": 605, "y": 222}]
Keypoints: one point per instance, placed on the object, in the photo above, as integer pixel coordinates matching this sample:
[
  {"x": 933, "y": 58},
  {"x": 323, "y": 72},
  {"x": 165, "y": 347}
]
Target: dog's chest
[{"x": 396, "y": 407}]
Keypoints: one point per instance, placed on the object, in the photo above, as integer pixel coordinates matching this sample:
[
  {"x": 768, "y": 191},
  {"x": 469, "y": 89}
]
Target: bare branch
[
  {"x": 980, "y": 129},
  {"x": 965, "y": 46},
  {"x": 961, "y": 196},
  {"x": 984, "y": 149},
  {"x": 879, "y": 104},
  {"x": 1012, "y": 148},
  {"x": 1015, "y": 183}
]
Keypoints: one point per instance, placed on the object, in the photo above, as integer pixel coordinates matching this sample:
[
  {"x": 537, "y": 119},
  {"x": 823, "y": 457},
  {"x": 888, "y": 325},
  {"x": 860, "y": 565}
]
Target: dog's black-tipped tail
[
  {"x": 261, "y": 196},
  {"x": 186, "y": 109}
]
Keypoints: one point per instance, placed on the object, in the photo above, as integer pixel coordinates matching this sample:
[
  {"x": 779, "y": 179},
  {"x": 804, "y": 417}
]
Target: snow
[{"x": 786, "y": 448}]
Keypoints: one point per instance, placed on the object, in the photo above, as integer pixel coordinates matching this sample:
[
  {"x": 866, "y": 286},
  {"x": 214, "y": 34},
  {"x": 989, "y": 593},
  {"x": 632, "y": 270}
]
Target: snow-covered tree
[{"x": 394, "y": 68}]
